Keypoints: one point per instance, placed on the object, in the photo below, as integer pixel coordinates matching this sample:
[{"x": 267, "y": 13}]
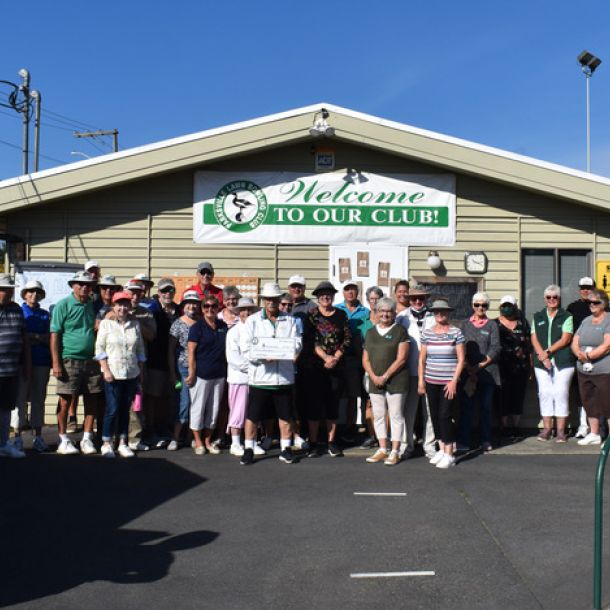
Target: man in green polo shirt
[{"x": 72, "y": 351}]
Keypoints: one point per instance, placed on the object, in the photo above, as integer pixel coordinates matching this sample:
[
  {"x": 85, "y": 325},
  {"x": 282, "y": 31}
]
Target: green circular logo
[{"x": 240, "y": 206}]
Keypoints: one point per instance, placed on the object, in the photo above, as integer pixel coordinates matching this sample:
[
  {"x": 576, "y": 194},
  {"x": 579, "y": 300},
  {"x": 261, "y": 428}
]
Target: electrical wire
[{"x": 31, "y": 153}]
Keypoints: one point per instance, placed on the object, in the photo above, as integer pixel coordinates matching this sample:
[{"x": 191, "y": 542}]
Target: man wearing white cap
[
  {"x": 580, "y": 310},
  {"x": 34, "y": 389},
  {"x": 14, "y": 348},
  {"x": 270, "y": 380},
  {"x": 301, "y": 305},
  {"x": 72, "y": 351}
]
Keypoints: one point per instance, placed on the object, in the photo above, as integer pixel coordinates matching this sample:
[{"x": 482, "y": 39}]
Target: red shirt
[{"x": 209, "y": 291}]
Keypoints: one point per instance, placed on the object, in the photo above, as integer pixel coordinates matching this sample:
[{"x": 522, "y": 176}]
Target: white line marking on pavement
[
  {"x": 390, "y": 574},
  {"x": 398, "y": 494}
]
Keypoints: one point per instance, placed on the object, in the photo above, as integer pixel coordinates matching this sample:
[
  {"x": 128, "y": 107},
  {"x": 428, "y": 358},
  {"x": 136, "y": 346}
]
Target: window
[{"x": 543, "y": 267}]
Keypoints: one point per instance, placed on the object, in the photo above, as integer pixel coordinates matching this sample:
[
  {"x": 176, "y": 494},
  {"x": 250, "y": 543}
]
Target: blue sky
[{"x": 499, "y": 73}]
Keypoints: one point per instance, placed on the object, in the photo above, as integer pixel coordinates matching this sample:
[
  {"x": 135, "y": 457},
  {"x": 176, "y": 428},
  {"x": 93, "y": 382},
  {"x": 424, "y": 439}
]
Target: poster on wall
[
  {"x": 327, "y": 208},
  {"x": 54, "y": 276},
  {"x": 386, "y": 265}
]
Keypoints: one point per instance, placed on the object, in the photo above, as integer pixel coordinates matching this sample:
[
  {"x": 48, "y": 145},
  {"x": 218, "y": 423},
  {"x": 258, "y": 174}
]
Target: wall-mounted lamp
[
  {"x": 434, "y": 260},
  {"x": 354, "y": 176},
  {"x": 320, "y": 125}
]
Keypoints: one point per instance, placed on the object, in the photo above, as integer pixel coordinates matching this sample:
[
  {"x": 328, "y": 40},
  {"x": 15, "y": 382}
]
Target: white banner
[{"x": 290, "y": 208}]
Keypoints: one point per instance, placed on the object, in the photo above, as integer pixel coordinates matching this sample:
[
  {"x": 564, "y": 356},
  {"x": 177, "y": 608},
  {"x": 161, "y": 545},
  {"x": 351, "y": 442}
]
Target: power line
[{"x": 44, "y": 156}]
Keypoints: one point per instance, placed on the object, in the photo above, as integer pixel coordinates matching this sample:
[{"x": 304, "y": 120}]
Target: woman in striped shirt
[{"x": 441, "y": 361}]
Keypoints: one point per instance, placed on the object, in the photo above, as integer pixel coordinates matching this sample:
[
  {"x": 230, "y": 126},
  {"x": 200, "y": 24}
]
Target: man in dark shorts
[
  {"x": 14, "y": 350},
  {"x": 270, "y": 381},
  {"x": 72, "y": 351}
]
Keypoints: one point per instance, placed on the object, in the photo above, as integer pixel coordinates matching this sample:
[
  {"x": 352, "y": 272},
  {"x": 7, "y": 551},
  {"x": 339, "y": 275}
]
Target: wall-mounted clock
[{"x": 475, "y": 262}]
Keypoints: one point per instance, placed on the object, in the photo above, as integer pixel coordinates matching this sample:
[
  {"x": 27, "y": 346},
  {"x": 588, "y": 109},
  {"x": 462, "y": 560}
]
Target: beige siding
[{"x": 147, "y": 226}]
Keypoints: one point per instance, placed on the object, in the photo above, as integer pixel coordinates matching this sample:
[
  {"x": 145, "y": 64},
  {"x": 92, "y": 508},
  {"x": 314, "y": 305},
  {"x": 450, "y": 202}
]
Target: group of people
[{"x": 152, "y": 368}]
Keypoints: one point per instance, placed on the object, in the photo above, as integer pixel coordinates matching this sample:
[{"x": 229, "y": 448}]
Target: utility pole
[
  {"x": 37, "y": 102},
  {"x": 25, "y": 91},
  {"x": 101, "y": 132}
]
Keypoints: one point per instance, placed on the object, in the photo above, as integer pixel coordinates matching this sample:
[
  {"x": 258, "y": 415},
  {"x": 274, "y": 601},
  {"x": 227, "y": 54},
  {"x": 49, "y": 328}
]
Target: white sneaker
[
  {"x": 18, "y": 443},
  {"x": 591, "y": 439},
  {"x": 87, "y": 447},
  {"x": 173, "y": 446},
  {"x": 66, "y": 448},
  {"x": 447, "y": 461},
  {"x": 125, "y": 451},
  {"x": 138, "y": 446},
  {"x": 299, "y": 441},
  {"x": 582, "y": 431},
  {"x": 437, "y": 457},
  {"x": 10, "y": 451},
  {"x": 237, "y": 450},
  {"x": 258, "y": 450},
  {"x": 39, "y": 445},
  {"x": 107, "y": 451}
]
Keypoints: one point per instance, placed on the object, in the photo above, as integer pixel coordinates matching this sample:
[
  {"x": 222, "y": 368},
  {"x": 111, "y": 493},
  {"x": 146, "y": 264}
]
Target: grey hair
[
  {"x": 373, "y": 289},
  {"x": 481, "y": 297},
  {"x": 231, "y": 291},
  {"x": 386, "y": 303},
  {"x": 552, "y": 289}
]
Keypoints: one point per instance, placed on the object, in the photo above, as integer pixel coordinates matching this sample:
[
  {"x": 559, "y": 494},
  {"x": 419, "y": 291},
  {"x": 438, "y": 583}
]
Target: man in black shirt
[{"x": 580, "y": 310}]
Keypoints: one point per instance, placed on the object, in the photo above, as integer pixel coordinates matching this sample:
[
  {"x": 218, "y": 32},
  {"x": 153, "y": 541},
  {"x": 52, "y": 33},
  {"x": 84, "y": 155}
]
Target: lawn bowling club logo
[{"x": 240, "y": 206}]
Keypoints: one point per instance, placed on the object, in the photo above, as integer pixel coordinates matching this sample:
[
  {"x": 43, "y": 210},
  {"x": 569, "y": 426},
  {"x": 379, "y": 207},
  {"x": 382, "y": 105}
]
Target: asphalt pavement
[{"x": 500, "y": 530}]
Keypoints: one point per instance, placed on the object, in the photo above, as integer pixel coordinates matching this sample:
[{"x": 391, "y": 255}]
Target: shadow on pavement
[{"x": 61, "y": 520}]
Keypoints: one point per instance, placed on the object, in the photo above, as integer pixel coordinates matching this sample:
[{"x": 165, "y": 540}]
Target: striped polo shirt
[
  {"x": 12, "y": 326},
  {"x": 441, "y": 354}
]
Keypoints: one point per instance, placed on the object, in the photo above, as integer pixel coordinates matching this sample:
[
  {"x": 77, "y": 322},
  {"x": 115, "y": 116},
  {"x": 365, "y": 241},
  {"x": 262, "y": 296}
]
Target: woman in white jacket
[{"x": 237, "y": 376}]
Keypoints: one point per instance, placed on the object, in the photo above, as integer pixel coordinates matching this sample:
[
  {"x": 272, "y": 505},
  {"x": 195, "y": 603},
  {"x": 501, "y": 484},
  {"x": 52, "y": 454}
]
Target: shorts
[
  {"x": 156, "y": 382},
  {"x": 80, "y": 377},
  {"x": 9, "y": 386},
  {"x": 265, "y": 404},
  {"x": 594, "y": 392}
]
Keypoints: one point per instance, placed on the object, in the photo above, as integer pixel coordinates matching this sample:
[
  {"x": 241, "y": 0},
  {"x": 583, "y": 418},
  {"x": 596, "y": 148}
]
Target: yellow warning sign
[{"x": 602, "y": 275}]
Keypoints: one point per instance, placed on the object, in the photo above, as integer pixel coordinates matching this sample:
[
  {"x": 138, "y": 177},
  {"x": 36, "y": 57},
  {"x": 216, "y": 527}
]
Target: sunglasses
[
  {"x": 206, "y": 272},
  {"x": 287, "y": 305},
  {"x": 166, "y": 290},
  {"x": 210, "y": 306},
  {"x": 481, "y": 305},
  {"x": 111, "y": 288},
  {"x": 551, "y": 297},
  {"x": 585, "y": 288},
  {"x": 418, "y": 298},
  {"x": 595, "y": 302}
]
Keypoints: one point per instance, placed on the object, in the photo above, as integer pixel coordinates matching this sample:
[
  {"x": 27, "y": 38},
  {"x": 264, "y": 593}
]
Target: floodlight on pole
[{"x": 589, "y": 63}]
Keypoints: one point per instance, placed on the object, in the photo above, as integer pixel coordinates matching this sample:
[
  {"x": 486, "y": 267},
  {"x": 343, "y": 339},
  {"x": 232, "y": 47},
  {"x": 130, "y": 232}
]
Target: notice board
[{"x": 458, "y": 293}]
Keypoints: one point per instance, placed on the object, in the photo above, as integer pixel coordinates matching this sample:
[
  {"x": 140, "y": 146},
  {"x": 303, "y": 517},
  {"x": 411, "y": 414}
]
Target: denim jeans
[
  {"x": 184, "y": 404},
  {"x": 119, "y": 396},
  {"x": 485, "y": 395}
]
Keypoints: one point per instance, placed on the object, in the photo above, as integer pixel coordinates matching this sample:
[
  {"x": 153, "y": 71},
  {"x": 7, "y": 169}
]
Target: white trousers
[
  {"x": 382, "y": 405},
  {"x": 554, "y": 391},
  {"x": 411, "y": 403},
  {"x": 205, "y": 395}
]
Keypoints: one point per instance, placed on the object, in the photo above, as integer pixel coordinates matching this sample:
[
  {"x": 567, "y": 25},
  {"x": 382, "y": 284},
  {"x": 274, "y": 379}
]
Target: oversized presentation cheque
[{"x": 273, "y": 348}]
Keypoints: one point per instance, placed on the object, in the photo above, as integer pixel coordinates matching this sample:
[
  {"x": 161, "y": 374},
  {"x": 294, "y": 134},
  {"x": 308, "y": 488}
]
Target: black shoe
[
  {"x": 314, "y": 450},
  {"x": 247, "y": 458},
  {"x": 287, "y": 457},
  {"x": 334, "y": 450},
  {"x": 369, "y": 442}
]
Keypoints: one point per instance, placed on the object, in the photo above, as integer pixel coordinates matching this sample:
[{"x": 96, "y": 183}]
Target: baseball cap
[
  {"x": 205, "y": 265},
  {"x": 91, "y": 264},
  {"x": 296, "y": 279},
  {"x": 508, "y": 298},
  {"x": 587, "y": 282}
]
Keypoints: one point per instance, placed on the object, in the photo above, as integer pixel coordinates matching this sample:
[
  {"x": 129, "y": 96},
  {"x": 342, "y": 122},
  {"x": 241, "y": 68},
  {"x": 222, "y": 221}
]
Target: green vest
[{"x": 563, "y": 358}]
